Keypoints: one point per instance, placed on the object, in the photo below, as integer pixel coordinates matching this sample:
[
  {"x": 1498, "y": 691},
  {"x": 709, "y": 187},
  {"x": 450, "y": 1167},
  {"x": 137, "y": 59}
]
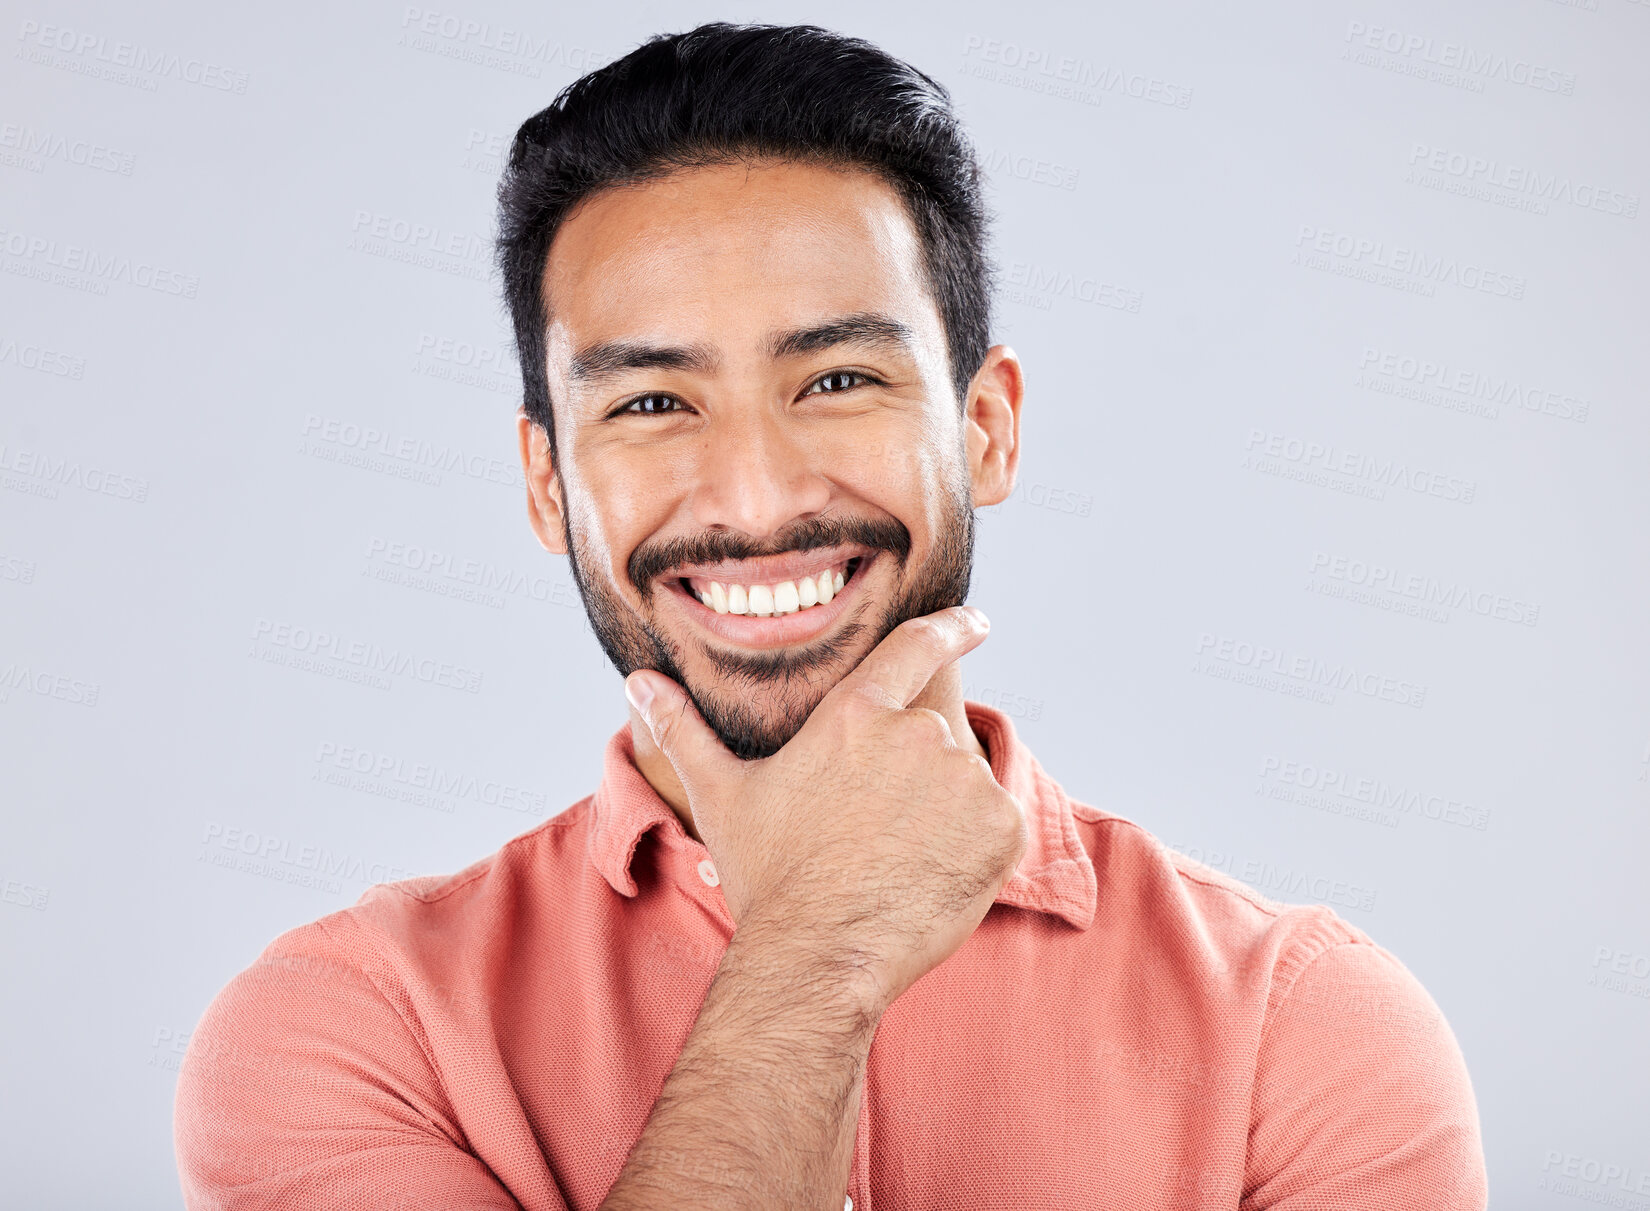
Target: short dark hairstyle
[{"x": 723, "y": 92}]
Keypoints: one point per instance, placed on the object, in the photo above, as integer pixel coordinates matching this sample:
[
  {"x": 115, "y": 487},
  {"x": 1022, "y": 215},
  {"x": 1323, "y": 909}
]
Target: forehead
[{"x": 729, "y": 251}]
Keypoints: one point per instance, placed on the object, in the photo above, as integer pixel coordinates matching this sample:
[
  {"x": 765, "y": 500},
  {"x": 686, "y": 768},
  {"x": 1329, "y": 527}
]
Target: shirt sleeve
[
  {"x": 1362, "y": 1100},
  {"x": 303, "y": 1088}
]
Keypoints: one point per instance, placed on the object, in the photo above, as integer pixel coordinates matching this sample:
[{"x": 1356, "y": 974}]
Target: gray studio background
[{"x": 1328, "y": 562}]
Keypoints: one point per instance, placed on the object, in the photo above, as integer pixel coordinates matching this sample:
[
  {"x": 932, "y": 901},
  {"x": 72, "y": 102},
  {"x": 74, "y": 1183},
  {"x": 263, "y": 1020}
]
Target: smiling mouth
[
  {"x": 775, "y": 613},
  {"x": 773, "y": 600}
]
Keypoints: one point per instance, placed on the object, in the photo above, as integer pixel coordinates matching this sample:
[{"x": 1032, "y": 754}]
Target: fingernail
[
  {"x": 978, "y": 615},
  {"x": 640, "y": 694}
]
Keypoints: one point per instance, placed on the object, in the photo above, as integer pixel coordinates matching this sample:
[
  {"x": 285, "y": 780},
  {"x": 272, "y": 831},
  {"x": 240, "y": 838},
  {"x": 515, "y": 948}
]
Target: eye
[
  {"x": 647, "y": 405},
  {"x": 837, "y": 381}
]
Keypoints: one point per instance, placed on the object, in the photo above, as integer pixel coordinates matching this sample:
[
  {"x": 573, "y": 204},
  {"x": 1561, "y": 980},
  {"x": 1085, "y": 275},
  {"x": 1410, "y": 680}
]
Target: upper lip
[{"x": 772, "y": 569}]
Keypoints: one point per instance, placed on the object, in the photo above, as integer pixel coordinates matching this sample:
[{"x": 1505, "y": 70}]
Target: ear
[
  {"x": 992, "y": 423},
  {"x": 544, "y": 498}
]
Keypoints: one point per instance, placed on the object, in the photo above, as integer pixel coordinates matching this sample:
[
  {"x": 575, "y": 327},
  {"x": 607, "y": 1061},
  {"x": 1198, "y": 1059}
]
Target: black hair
[{"x": 722, "y": 92}]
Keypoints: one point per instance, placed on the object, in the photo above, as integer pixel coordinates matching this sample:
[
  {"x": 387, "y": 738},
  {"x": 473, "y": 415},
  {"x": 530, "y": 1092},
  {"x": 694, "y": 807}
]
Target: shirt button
[
  {"x": 707, "y": 872},
  {"x": 849, "y": 1205}
]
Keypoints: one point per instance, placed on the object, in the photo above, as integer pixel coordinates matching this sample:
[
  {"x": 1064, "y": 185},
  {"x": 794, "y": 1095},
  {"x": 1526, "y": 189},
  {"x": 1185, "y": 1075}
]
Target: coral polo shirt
[{"x": 1126, "y": 1028}]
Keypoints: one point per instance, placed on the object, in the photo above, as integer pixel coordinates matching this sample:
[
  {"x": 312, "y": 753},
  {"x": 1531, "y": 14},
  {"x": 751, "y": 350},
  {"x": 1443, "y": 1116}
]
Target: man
[{"x": 827, "y": 935}]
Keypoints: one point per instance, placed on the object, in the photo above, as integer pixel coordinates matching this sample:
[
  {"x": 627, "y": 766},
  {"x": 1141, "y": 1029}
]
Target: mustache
[{"x": 649, "y": 561}]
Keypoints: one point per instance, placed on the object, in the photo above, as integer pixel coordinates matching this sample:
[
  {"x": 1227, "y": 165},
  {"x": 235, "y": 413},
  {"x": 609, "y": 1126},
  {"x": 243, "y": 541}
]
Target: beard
[{"x": 764, "y": 698}]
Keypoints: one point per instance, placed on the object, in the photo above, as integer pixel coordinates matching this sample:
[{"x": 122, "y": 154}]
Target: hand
[{"x": 871, "y": 842}]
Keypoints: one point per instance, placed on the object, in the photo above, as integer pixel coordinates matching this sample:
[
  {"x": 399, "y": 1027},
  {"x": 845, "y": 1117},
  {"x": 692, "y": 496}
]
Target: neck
[{"x": 943, "y": 694}]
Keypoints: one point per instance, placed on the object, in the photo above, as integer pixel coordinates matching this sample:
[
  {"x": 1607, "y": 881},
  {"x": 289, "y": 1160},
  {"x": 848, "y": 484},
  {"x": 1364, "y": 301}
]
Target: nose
[{"x": 757, "y": 471}]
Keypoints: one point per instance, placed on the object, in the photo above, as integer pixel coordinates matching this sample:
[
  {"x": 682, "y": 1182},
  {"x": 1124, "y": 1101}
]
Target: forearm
[{"x": 761, "y": 1107}]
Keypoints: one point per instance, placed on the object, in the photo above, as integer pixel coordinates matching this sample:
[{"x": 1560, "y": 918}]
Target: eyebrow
[{"x": 868, "y": 328}]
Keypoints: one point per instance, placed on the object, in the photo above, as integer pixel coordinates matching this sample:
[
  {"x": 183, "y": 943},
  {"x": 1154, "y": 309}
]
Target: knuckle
[
  {"x": 1015, "y": 825},
  {"x": 663, "y": 726},
  {"x": 863, "y": 700},
  {"x": 920, "y": 725},
  {"x": 972, "y": 776},
  {"x": 923, "y": 629}
]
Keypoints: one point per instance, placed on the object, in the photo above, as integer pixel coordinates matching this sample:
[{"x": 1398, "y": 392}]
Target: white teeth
[{"x": 765, "y": 601}]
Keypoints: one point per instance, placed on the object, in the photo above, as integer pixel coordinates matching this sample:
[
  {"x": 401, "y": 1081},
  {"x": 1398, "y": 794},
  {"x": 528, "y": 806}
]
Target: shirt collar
[{"x": 1055, "y": 874}]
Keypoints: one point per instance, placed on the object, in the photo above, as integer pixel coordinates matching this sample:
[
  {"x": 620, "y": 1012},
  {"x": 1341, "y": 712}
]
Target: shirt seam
[
  {"x": 1272, "y": 908},
  {"x": 414, "y": 1029},
  {"x": 1273, "y": 1010},
  {"x": 486, "y": 865},
  {"x": 1275, "y": 909}
]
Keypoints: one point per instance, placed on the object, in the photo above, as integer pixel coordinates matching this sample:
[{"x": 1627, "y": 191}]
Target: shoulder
[
  {"x": 550, "y": 841},
  {"x": 287, "y": 1048},
  {"x": 1362, "y": 1093},
  {"x": 433, "y": 916},
  {"x": 1230, "y": 930},
  {"x": 403, "y": 947}
]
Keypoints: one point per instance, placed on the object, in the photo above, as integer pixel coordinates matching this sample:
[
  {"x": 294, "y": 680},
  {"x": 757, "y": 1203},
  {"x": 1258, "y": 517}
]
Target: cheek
[
  {"x": 593, "y": 526},
  {"x": 612, "y": 516},
  {"x": 907, "y": 476}
]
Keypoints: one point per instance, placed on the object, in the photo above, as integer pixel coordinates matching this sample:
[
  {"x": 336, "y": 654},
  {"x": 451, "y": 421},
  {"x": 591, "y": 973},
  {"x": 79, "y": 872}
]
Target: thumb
[{"x": 697, "y": 754}]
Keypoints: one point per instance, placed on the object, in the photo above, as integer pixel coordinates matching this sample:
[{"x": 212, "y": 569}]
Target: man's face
[{"x": 753, "y": 406}]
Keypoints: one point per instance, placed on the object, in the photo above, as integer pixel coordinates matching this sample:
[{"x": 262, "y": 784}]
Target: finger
[
  {"x": 900, "y": 666},
  {"x": 697, "y": 754}
]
